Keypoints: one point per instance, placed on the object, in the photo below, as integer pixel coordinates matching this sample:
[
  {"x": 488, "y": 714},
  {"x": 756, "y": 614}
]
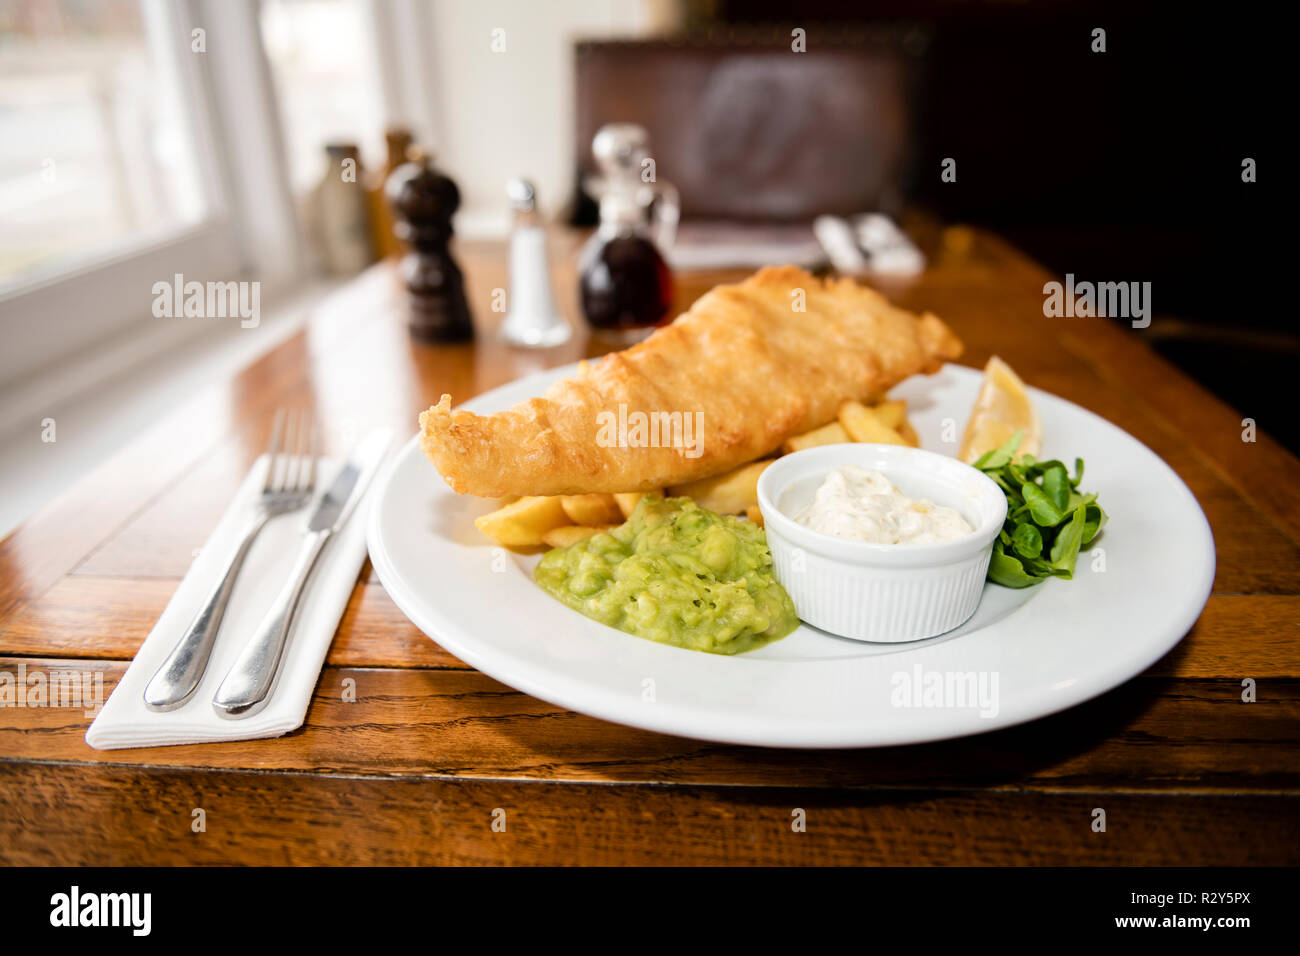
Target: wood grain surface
[{"x": 413, "y": 769}]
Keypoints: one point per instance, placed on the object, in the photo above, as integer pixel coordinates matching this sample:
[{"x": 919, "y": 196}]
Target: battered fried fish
[{"x": 726, "y": 383}]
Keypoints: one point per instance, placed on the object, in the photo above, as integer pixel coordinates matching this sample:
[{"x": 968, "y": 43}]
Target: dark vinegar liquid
[{"x": 625, "y": 284}]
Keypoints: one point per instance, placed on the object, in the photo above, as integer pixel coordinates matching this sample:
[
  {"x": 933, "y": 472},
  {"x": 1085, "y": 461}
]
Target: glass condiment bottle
[
  {"x": 343, "y": 230},
  {"x": 624, "y": 283},
  {"x": 398, "y": 140}
]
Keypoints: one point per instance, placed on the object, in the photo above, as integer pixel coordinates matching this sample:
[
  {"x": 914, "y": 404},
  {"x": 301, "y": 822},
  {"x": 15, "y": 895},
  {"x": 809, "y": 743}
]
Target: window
[
  {"x": 138, "y": 140},
  {"x": 97, "y": 153},
  {"x": 326, "y": 82},
  {"x": 144, "y": 138}
]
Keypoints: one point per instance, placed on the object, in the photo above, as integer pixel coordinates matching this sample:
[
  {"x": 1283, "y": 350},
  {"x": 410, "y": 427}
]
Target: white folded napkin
[{"x": 126, "y": 722}]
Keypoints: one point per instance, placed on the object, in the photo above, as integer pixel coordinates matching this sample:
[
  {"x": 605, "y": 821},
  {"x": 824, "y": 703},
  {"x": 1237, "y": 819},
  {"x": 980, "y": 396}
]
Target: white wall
[{"x": 501, "y": 115}]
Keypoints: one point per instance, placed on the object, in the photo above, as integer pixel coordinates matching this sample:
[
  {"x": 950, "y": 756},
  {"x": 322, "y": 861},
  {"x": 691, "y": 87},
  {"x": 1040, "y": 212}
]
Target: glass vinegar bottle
[{"x": 625, "y": 285}]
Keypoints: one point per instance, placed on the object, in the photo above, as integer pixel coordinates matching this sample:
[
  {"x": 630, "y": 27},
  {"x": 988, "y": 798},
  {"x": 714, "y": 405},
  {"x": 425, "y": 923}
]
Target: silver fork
[{"x": 289, "y": 485}]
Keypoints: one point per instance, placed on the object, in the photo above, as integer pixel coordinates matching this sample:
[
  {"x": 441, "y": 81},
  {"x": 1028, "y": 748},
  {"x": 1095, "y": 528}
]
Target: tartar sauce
[{"x": 862, "y": 505}]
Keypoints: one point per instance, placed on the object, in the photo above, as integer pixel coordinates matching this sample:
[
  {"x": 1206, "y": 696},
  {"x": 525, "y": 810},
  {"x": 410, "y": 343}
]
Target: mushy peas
[{"x": 677, "y": 574}]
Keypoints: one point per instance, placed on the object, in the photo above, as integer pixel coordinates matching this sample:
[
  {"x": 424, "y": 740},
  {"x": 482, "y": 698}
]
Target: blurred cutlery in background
[{"x": 869, "y": 244}]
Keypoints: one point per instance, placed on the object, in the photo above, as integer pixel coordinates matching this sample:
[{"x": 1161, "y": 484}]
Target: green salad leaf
[{"x": 1048, "y": 519}]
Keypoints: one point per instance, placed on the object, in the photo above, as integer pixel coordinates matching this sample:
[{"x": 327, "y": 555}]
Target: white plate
[{"x": 1024, "y": 654}]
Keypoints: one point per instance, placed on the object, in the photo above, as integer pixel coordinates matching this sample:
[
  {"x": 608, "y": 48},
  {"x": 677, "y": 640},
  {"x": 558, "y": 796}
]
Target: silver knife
[{"x": 249, "y": 683}]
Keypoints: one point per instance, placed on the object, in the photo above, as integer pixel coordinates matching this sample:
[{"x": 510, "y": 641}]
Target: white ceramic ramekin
[{"x": 881, "y": 592}]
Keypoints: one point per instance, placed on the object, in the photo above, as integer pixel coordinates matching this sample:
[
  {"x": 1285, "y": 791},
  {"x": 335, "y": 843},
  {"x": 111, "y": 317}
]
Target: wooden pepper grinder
[{"x": 423, "y": 200}]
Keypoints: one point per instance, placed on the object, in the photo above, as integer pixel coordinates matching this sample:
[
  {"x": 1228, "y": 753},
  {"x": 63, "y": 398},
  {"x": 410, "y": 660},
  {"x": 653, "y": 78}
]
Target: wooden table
[{"x": 412, "y": 771}]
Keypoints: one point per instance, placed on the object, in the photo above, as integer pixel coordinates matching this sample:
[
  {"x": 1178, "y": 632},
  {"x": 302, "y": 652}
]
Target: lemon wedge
[{"x": 1002, "y": 408}]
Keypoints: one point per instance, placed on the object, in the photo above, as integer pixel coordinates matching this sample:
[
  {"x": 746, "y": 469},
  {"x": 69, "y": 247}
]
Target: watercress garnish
[{"x": 1048, "y": 519}]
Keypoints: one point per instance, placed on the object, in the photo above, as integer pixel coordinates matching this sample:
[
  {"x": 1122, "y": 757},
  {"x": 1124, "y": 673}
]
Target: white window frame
[
  {"x": 250, "y": 228},
  {"x": 399, "y": 35}
]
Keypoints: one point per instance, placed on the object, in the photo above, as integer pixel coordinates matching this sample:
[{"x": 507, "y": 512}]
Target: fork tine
[
  {"x": 300, "y": 451},
  {"x": 273, "y": 450},
  {"x": 308, "y": 483},
  {"x": 291, "y": 451}
]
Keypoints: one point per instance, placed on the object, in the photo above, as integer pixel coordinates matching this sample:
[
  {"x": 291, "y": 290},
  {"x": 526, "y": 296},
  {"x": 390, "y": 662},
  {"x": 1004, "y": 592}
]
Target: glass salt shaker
[{"x": 532, "y": 321}]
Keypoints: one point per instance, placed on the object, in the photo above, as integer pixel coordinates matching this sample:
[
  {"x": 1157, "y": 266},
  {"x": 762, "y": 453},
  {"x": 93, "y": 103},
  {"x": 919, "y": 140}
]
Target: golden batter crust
[{"x": 756, "y": 370}]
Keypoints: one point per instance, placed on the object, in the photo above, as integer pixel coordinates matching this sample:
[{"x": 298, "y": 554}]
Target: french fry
[
  {"x": 831, "y": 434},
  {"x": 568, "y": 534},
  {"x": 862, "y": 424},
  {"x": 591, "y": 510},
  {"x": 729, "y": 493},
  {"x": 754, "y": 515},
  {"x": 522, "y": 523},
  {"x": 892, "y": 414},
  {"x": 627, "y": 500}
]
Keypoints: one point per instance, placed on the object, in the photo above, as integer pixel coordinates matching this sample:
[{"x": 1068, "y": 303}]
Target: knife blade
[{"x": 349, "y": 485}]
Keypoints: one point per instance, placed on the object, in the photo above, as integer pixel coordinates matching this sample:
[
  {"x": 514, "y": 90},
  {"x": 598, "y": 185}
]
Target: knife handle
[
  {"x": 178, "y": 677},
  {"x": 248, "y": 684}
]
